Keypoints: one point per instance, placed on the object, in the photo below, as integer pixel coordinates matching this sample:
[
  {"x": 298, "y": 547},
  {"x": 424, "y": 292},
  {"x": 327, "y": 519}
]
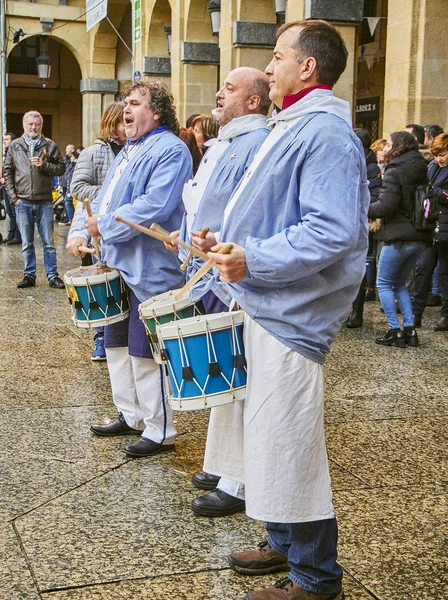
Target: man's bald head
[{"x": 245, "y": 92}]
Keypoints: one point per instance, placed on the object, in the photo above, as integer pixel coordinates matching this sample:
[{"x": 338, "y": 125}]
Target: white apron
[{"x": 280, "y": 430}]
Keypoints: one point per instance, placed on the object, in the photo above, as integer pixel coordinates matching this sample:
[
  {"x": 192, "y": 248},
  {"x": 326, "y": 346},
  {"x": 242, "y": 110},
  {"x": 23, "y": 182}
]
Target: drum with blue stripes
[
  {"x": 205, "y": 362},
  {"x": 97, "y": 296}
]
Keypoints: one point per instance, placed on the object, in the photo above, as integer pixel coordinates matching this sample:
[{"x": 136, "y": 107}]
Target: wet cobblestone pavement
[{"x": 80, "y": 520}]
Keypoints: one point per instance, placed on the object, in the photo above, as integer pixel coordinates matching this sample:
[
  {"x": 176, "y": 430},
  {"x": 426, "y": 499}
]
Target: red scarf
[{"x": 291, "y": 99}]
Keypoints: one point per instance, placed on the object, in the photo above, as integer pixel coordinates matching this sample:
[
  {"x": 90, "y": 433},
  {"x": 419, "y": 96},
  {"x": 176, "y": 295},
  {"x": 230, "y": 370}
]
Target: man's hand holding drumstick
[{"x": 232, "y": 267}]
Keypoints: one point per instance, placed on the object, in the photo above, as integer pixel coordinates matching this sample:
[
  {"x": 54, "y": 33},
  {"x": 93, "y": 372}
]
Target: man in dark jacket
[
  {"x": 438, "y": 177},
  {"x": 13, "y": 234},
  {"x": 32, "y": 161}
]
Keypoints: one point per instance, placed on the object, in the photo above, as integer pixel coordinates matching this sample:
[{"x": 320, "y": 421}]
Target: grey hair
[
  {"x": 33, "y": 113},
  {"x": 260, "y": 87}
]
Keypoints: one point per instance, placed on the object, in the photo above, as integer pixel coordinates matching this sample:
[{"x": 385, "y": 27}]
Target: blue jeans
[
  {"x": 14, "y": 232},
  {"x": 69, "y": 208},
  {"x": 311, "y": 551},
  {"x": 41, "y": 214},
  {"x": 396, "y": 262}
]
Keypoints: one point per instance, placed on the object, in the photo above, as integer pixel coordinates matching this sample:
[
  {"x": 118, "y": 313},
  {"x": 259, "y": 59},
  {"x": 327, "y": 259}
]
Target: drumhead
[
  {"x": 199, "y": 324},
  {"x": 91, "y": 274}
]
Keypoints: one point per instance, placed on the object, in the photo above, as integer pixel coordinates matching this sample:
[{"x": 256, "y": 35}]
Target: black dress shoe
[
  {"x": 217, "y": 504},
  {"x": 146, "y": 447},
  {"x": 57, "y": 283},
  {"x": 417, "y": 320},
  {"x": 392, "y": 337},
  {"x": 27, "y": 282},
  {"x": 12, "y": 242},
  {"x": 442, "y": 324},
  {"x": 118, "y": 427},
  {"x": 205, "y": 481}
]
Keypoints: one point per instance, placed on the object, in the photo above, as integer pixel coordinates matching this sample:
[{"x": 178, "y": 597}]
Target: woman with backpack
[
  {"x": 438, "y": 177},
  {"x": 405, "y": 169}
]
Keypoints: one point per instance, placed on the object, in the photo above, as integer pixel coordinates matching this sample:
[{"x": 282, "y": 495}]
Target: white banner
[
  {"x": 373, "y": 22},
  {"x": 96, "y": 12}
]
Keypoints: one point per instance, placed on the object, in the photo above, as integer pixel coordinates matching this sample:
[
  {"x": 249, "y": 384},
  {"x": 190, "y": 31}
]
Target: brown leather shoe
[
  {"x": 261, "y": 561},
  {"x": 285, "y": 589}
]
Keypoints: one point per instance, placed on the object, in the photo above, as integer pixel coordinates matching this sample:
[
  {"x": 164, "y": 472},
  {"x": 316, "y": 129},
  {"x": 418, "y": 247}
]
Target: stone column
[
  {"x": 416, "y": 82},
  {"x": 96, "y": 95}
]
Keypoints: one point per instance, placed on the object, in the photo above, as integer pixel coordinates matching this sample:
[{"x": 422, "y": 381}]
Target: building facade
[{"x": 397, "y": 71}]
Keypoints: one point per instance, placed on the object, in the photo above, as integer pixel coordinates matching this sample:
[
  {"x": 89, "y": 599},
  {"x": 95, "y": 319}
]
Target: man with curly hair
[{"x": 143, "y": 185}]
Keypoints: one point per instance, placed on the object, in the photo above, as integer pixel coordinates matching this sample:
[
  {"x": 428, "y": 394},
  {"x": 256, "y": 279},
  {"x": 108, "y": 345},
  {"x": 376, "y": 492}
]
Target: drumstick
[
  {"x": 227, "y": 249},
  {"x": 202, "y": 235},
  {"x": 86, "y": 250},
  {"x": 94, "y": 239},
  {"x": 162, "y": 235}
]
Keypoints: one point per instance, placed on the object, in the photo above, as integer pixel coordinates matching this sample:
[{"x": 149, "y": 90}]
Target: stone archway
[{"x": 60, "y": 102}]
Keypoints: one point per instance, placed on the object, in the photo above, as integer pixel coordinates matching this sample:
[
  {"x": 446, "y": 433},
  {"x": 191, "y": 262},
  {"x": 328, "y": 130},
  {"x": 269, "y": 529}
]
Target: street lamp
[
  {"x": 214, "y": 8},
  {"x": 280, "y": 11},
  {"x": 44, "y": 64},
  {"x": 167, "y": 30}
]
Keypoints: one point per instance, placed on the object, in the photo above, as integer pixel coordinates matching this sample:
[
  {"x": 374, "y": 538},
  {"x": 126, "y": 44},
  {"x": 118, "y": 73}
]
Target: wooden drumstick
[
  {"x": 202, "y": 235},
  {"x": 162, "y": 235},
  {"x": 94, "y": 239},
  {"x": 161, "y": 231},
  {"x": 227, "y": 249},
  {"x": 86, "y": 250}
]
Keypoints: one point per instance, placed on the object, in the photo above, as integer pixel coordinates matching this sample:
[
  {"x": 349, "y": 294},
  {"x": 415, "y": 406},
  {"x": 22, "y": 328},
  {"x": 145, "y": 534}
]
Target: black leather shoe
[
  {"x": 146, "y": 447},
  {"x": 442, "y": 324},
  {"x": 417, "y": 320},
  {"x": 217, "y": 504},
  {"x": 118, "y": 427},
  {"x": 57, "y": 283},
  {"x": 410, "y": 336},
  {"x": 12, "y": 242},
  {"x": 392, "y": 338},
  {"x": 205, "y": 481},
  {"x": 27, "y": 282}
]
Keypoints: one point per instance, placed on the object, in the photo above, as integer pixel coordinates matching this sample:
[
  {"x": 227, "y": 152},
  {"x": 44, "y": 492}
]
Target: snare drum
[
  {"x": 205, "y": 360},
  {"x": 164, "y": 309},
  {"x": 97, "y": 295}
]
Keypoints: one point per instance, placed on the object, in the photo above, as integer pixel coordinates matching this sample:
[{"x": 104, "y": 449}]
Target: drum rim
[
  {"x": 198, "y": 325},
  {"x": 149, "y": 308},
  {"x": 71, "y": 279}
]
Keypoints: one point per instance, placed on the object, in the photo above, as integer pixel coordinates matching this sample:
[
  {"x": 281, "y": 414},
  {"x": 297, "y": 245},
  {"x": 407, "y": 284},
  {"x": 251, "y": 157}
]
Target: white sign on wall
[{"x": 96, "y": 12}]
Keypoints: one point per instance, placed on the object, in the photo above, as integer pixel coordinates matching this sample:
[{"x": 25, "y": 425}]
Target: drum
[
  {"x": 205, "y": 360},
  {"x": 164, "y": 309},
  {"x": 97, "y": 295}
]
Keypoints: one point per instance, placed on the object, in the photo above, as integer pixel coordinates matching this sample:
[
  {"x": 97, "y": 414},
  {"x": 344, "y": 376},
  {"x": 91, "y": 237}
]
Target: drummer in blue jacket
[
  {"x": 242, "y": 105},
  {"x": 298, "y": 222},
  {"x": 144, "y": 185}
]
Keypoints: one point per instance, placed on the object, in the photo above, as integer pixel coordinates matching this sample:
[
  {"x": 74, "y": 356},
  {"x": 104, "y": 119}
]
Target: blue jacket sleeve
[
  {"x": 333, "y": 198},
  {"x": 162, "y": 194}
]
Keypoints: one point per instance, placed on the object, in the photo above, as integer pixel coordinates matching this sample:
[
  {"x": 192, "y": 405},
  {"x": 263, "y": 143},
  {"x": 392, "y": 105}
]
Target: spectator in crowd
[
  {"x": 188, "y": 138},
  {"x": 190, "y": 120},
  {"x": 378, "y": 148},
  {"x": 403, "y": 244},
  {"x": 438, "y": 177},
  {"x": 205, "y": 129},
  {"x": 368, "y": 283},
  {"x": 68, "y": 198},
  {"x": 30, "y": 191},
  {"x": 13, "y": 236},
  {"x": 89, "y": 175},
  {"x": 431, "y": 132},
  {"x": 419, "y": 133}
]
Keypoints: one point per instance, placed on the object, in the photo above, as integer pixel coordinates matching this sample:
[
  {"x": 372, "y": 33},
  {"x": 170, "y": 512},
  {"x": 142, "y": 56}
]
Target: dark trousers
[
  {"x": 423, "y": 277},
  {"x": 11, "y": 212}
]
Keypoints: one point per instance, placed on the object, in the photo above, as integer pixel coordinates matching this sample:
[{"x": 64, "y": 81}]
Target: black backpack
[{"x": 426, "y": 206}]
